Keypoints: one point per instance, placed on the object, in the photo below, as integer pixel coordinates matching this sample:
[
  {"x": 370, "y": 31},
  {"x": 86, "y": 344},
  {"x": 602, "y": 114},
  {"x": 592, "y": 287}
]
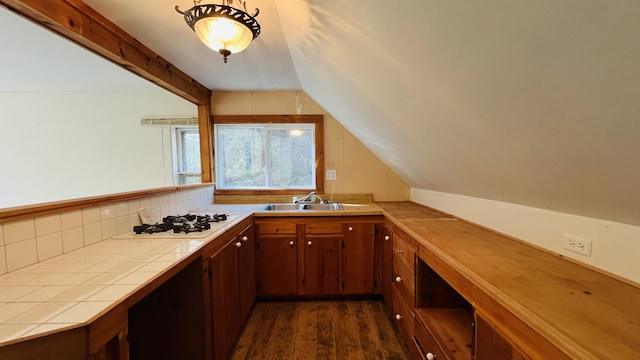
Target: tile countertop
[{"x": 72, "y": 289}]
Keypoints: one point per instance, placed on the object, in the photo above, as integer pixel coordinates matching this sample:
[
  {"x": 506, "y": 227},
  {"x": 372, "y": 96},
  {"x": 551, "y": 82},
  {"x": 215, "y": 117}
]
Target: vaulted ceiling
[{"x": 528, "y": 102}]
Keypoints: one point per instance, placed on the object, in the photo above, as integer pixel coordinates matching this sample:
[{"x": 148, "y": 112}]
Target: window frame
[
  {"x": 180, "y": 173},
  {"x": 317, "y": 120}
]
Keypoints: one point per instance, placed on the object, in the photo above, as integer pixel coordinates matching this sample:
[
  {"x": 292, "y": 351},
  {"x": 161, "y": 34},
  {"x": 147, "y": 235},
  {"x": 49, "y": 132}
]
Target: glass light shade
[{"x": 222, "y": 33}]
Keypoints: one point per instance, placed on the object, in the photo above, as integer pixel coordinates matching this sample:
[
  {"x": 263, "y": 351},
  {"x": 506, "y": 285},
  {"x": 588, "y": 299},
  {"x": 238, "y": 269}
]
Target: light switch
[{"x": 331, "y": 175}]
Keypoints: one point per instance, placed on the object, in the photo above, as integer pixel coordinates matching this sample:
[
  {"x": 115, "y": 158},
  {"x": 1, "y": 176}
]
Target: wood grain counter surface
[{"x": 583, "y": 313}]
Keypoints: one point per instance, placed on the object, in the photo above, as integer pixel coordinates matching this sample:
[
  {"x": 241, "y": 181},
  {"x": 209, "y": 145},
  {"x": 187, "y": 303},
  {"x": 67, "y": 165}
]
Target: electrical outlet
[
  {"x": 577, "y": 244},
  {"x": 331, "y": 175}
]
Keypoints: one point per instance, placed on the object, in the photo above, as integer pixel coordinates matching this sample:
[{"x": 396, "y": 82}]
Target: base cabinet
[
  {"x": 489, "y": 344},
  {"x": 316, "y": 256},
  {"x": 232, "y": 290}
]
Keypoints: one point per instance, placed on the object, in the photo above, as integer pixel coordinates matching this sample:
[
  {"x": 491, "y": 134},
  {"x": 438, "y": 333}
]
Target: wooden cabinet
[
  {"x": 232, "y": 290},
  {"x": 490, "y": 344},
  {"x": 277, "y": 258},
  {"x": 316, "y": 256},
  {"x": 358, "y": 258},
  {"x": 386, "y": 267},
  {"x": 247, "y": 271}
]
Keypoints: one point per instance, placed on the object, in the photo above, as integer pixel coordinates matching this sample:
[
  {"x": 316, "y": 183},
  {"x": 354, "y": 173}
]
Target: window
[
  {"x": 188, "y": 156},
  {"x": 276, "y": 154}
]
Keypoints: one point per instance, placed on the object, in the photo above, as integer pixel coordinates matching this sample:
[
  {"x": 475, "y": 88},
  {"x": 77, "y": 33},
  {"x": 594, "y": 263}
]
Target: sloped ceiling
[{"x": 528, "y": 102}]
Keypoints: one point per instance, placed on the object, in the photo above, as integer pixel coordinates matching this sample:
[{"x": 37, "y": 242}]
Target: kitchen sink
[
  {"x": 322, "y": 207},
  {"x": 304, "y": 207}
]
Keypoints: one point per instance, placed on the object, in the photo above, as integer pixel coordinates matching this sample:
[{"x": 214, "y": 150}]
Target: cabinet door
[
  {"x": 247, "y": 271},
  {"x": 386, "y": 268},
  {"x": 225, "y": 299},
  {"x": 277, "y": 265},
  {"x": 322, "y": 265},
  {"x": 489, "y": 344},
  {"x": 358, "y": 258}
]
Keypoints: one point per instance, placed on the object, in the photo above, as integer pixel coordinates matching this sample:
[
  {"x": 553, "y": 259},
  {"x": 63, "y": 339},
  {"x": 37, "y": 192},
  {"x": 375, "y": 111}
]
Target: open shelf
[{"x": 443, "y": 317}]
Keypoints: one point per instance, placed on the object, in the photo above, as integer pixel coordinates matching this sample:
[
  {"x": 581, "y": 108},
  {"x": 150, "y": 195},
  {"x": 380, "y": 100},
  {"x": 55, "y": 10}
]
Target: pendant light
[{"x": 221, "y": 27}]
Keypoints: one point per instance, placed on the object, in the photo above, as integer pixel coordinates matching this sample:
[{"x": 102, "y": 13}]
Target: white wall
[
  {"x": 615, "y": 246},
  {"x": 64, "y": 145}
]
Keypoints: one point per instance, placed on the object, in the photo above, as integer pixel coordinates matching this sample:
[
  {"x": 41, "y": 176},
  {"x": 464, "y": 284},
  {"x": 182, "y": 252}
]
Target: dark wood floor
[{"x": 350, "y": 329}]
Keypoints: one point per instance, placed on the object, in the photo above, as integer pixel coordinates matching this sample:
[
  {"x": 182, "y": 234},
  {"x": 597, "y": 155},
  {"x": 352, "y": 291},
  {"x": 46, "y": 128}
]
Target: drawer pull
[
  {"x": 309, "y": 243},
  {"x": 387, "y": 237},
  {"x": 398, "y": 317},
  {"x": 398, "y": 279},
  {"x": 430, "y": 356},
  {"x": 400, "y": 251},
  {"x": 238, "y": 244},
  {"x": 291, "y": 243},
  {"x": 244, "y": 238},
  {"x": 350, "y": 228}
]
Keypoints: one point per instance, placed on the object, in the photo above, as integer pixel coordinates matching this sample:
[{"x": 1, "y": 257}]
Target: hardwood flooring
[{"x": 307, "y": 330}]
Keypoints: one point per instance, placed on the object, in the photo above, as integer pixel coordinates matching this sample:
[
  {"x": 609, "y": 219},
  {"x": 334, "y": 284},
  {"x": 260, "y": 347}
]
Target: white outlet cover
[{"x": 330, "y": 175}]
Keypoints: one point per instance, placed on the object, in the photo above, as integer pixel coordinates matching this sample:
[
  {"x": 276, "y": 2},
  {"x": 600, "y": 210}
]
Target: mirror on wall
[{"x": 71, "y": 121}]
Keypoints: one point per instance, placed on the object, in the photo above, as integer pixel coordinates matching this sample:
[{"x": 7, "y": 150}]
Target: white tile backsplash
[
  {"x": 92, "y": 233},
  {"x": 48, "y": 224},
  {"x": 72, "y": 239},
  {"x": 90, "y": 215},
  {"x": 122, "y": 209},
  {"x": 19, "y": 230},
  {"x": 21, "y": 254},
  {"x": 26, "y": 242},
  {"x": 49, "y": 245},
  {"x": 107, "y": 212},
  {"x": 109, "y": 229},
  {"x": 3, "y": 261},
  {"x": 71, "y": 219}
]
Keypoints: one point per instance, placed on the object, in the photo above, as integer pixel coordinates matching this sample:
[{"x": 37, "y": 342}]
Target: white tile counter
[{"x": 73, "y": 289}]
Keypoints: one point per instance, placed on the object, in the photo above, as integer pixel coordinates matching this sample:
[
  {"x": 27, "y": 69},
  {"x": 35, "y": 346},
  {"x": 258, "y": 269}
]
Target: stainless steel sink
[
  {"x": 304, "y": 207},
  {"x": 282, "y": 207},
  {"x": 322, "y": 207}
]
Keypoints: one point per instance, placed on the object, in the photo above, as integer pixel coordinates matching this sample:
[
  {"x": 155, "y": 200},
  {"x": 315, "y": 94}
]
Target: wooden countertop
[{"x": 584, "y": 313}]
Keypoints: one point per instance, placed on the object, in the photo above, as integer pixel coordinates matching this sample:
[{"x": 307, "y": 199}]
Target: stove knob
[
  {"x": 244, "y": 238},
  {"x": 238, "y": 244}
]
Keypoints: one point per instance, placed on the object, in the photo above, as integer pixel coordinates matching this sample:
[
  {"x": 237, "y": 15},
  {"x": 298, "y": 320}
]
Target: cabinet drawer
[
  {"x": 276, "y": 228},
  {"x": 323, "y": 228},
  {"x": 405, "y": 249},
  {"x": 402, "y": 315},
  {"x": 406, "y": 286},
  {"x": 427, "y": 342}
]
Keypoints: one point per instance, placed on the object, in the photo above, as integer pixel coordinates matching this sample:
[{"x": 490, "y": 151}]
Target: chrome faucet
[{"x": 312, "y": 195}]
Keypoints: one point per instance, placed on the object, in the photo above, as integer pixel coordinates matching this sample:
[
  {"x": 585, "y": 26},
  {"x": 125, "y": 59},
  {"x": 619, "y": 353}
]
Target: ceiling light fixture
[{"x": 221, "y": 27}]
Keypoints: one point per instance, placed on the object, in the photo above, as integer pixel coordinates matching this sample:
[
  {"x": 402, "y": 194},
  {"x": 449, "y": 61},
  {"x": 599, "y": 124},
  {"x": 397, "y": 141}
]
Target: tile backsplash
[{"x": 28, "y": 241}]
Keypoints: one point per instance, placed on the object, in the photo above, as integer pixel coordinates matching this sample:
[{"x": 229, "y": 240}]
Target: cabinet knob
[
  {"x": 398, "y": 279},
  {"x": 398, "y": 317},
  {"x": 400, "y": 251},
  {"x": 350, "y": 228},
  {"x": 244, "y": 238},
  {"x": 238, "y": 244},
  {"x": 387, "y": 237},
  {"x": 309, "y": 243},
  {"x": 430, "y": 356},
  {"x": 291, "y": 243}
]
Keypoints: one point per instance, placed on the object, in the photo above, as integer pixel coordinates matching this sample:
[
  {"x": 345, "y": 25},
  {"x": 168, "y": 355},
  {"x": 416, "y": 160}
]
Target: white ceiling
[{"x": 529, "y": 102}]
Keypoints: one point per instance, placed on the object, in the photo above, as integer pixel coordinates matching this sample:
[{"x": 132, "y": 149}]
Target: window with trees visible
[
  {"x": 188, "y": 156},
  {"x": 268, "y": 153}
]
